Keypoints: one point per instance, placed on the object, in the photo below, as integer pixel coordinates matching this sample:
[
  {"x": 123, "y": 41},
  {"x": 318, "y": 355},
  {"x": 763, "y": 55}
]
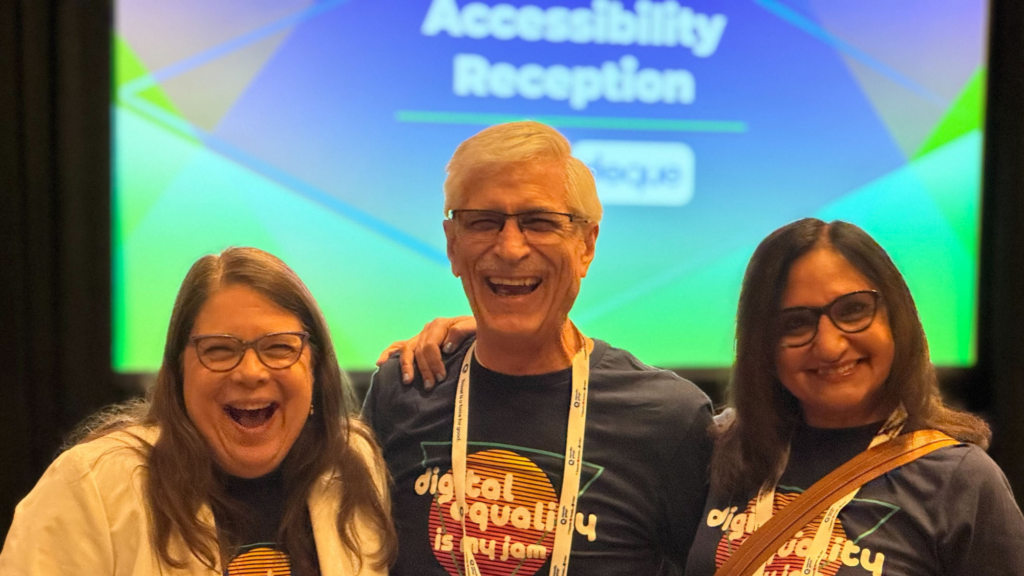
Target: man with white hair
[{"x": 541, "y": 448}]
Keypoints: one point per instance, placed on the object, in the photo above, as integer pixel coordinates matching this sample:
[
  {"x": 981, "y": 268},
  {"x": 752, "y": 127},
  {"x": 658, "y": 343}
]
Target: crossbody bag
[{"x": 859, "y": 470}]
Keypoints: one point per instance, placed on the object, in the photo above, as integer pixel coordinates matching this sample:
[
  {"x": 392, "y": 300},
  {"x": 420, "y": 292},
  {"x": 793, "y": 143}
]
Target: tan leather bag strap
[{"x": 860, "y": 470}]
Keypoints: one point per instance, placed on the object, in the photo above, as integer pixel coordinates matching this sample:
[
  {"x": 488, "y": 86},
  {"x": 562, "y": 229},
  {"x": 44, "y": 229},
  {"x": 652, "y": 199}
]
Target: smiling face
[
  {"x": 838, "y": 376},
  {"x": 515, "y": 287},
  {"x": 251, "y": 415}
]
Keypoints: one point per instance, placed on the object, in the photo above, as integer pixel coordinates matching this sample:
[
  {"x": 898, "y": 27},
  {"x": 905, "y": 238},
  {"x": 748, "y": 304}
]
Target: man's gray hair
[{"x": 516, "y": 143}]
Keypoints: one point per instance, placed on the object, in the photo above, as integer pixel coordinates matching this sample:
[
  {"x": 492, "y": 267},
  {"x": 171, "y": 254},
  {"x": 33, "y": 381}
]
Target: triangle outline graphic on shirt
[{"x": 893, "y": 509}]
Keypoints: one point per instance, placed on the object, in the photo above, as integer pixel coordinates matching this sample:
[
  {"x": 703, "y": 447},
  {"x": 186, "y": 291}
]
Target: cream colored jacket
[{"x": 87, "y": 515}]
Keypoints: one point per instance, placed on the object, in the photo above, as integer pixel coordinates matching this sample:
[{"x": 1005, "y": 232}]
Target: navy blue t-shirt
[
  {"x": 254, "y": 532},
  {"x": 645, "y": 462},
  {"x": 950, "y": 512}
]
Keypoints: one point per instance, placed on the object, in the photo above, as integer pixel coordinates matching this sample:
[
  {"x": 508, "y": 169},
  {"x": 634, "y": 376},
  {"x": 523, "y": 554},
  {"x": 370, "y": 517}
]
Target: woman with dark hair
[
  {"x": 831, "y": 358},
  {"x": 239, "y": 459}
]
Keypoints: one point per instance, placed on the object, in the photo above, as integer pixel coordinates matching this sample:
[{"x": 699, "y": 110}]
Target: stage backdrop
[{"x": 319, "y": 131}]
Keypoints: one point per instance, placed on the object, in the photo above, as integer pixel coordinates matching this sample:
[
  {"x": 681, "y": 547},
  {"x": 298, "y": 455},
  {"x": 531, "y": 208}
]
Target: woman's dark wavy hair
[
  {"x": 752, "y": 436},
  {"x": 182, "y": 476}
]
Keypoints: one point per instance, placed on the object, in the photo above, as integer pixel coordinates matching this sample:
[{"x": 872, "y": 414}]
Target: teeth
[
  {"x": 251, "y": 417},
  {"x": 251, "y": 406},
  {"x": 837, "y": 370},
  {"x": 515, "y": 281}
]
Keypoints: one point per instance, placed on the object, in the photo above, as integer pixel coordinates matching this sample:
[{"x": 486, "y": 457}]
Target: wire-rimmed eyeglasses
[
  {"x": 537, "y": 226},
  {"x": 853, "y": 312},
  {"x": 223, "y": 352}
]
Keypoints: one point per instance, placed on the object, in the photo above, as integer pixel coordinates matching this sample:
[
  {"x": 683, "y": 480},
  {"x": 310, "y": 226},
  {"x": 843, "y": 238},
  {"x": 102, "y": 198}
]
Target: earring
[{"x": 310, "y": 409}]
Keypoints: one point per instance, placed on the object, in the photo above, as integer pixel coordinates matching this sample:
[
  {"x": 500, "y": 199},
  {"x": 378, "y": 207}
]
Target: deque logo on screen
[{"x": 639, "y": 173}]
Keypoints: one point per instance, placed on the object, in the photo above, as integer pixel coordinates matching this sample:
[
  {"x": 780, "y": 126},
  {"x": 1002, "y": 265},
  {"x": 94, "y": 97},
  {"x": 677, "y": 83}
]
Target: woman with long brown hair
[
  {"x": 247, "y": 453},
  {"x": 831, "y": 359}
]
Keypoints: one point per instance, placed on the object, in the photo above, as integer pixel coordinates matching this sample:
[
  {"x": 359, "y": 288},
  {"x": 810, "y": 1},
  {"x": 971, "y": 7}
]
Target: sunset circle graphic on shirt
[
  {"x": 737, "y": 526},
  {"x": 260, "y": 562},
  {"x": 511, "y": 509}
]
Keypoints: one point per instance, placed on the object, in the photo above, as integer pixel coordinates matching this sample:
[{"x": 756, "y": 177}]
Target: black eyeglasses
[
  {"x": 537, "y": 226},
  {"x": 223, "y": 352},
  {"x": 851, "y": 313}
]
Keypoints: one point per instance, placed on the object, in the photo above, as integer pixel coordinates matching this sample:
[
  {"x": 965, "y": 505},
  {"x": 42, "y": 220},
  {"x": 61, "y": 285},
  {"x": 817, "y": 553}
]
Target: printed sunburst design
[
  {"x": 260, "y": 561},
  {"x": 532, "y": 491},
  {"x": 788, "y": 562}
]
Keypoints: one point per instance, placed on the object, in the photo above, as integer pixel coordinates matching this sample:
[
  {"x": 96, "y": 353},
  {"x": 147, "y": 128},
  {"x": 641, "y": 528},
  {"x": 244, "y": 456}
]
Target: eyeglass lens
[
  {"x": 535, "y": 226},
  {"x": 223, "y": 353},
  {"x": 850, "y": 313}
]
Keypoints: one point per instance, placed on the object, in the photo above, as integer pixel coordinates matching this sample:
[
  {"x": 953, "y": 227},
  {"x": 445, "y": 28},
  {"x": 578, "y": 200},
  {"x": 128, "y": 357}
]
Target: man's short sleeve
[
  {"x": 374, "y": 411},
  {"x": 686, "y": 482}
]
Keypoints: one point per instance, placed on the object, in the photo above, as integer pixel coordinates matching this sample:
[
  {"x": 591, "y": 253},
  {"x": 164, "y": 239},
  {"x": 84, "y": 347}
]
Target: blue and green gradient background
[{"x": 319, "y": 131}]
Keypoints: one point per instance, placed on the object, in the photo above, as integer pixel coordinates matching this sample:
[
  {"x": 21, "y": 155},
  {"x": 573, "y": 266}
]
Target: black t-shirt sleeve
[
  {"x": 984, "y": 529},
  {"x": 686, "y": 484},
  {"x": 374, "y": 411}
]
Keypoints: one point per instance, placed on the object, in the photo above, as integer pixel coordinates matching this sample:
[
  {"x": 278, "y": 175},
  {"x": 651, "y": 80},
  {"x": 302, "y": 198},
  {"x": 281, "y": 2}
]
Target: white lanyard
[
  {"x": 573, "y": 459},
  {"x": 763, "y": 507}
]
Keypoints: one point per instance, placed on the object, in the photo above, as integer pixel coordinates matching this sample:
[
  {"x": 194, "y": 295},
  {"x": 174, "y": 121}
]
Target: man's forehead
[{"x": 520, "y": 188}]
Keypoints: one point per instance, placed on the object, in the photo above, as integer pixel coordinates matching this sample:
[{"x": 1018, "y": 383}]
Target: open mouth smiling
[
  {"x": 251, "y": 417},
  {"x": 837, "y": 371},
  {"x": 512, "y": 286}
]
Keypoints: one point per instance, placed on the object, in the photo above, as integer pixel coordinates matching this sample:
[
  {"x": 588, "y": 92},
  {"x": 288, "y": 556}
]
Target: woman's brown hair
[
  {"x": 182, "y": 476},
  {"x": 752, "y": 436}
]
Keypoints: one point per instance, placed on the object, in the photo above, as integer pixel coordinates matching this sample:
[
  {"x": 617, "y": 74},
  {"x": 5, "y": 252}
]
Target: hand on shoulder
[{"x": 423, "y": 352}]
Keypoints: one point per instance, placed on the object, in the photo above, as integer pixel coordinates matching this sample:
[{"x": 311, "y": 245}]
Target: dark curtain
[
  {"x": 55, "y": 326},
  {"x": 1001, "y": 313}
]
